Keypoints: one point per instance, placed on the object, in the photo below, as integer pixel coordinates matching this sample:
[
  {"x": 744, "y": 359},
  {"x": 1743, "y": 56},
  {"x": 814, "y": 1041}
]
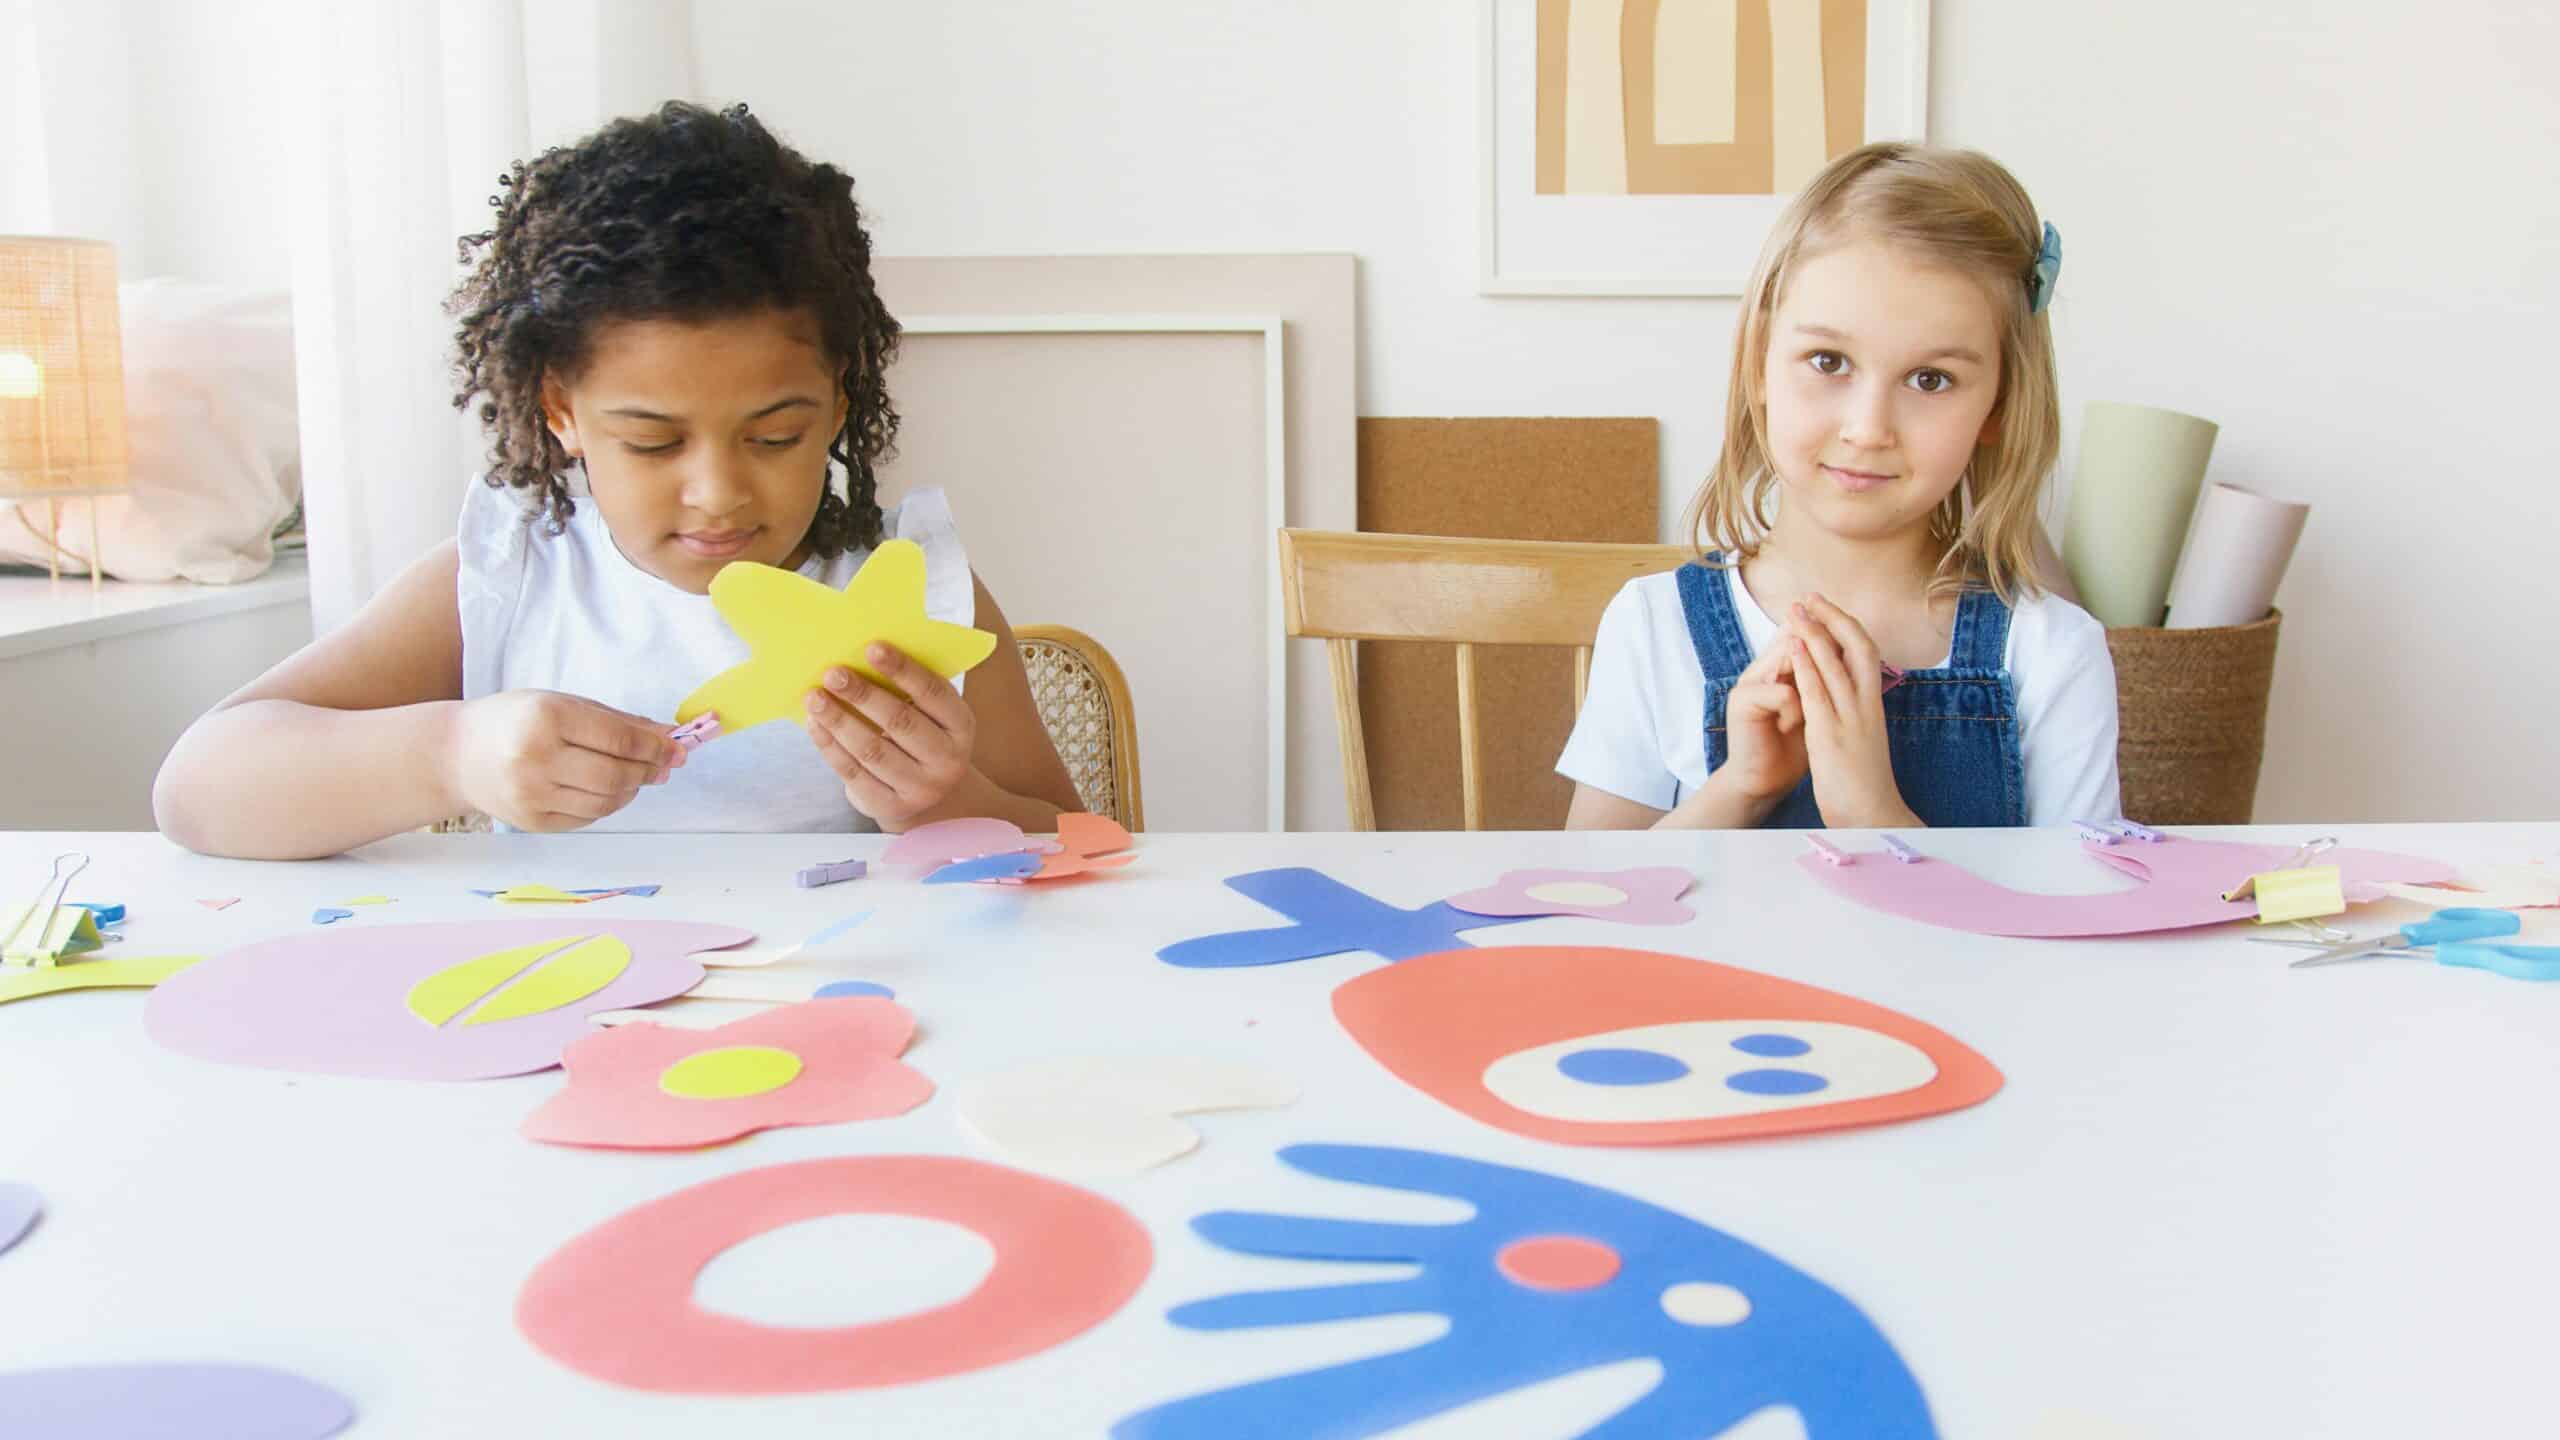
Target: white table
[{"x": 2215, "y": 1198}]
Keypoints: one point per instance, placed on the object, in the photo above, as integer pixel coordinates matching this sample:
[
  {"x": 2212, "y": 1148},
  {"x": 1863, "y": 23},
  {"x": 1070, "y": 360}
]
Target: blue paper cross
[{"x": 1330, "y": 918}]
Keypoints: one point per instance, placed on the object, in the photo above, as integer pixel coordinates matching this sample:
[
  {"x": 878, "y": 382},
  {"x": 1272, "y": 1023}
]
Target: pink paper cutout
[
  {"x": 849, "y": 1070},
  {"x": 1653, "y": 895},
  {"x": 946, "y": 841},
  {"x": 2183, "y": 881},
  {"x": 617, "y": 1302},
  {"x": 223, "y": 904},
  {"x": 335, "y": 1002}
]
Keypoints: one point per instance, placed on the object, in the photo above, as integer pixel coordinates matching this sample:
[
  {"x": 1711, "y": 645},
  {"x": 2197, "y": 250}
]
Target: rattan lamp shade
[{"x": 61, "y": 375}]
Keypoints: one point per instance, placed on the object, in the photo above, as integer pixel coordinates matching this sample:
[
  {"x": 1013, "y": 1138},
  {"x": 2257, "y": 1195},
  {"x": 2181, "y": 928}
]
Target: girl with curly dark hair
[{"x": 673, "y": 340}]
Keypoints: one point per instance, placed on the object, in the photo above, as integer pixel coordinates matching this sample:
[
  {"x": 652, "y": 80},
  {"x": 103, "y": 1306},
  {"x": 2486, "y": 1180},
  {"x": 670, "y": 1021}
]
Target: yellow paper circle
[{"x": 730, "y": 1072}]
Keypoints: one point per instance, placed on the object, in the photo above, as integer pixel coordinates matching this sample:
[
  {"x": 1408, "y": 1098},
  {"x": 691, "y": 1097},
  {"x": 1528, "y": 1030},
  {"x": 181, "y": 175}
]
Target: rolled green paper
[{"x": 2131, "y": 497}]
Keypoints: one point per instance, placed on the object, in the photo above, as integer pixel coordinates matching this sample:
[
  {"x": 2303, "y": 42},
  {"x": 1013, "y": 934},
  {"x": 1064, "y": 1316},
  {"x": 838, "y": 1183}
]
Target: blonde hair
[{"x": 1957, "y": 208}]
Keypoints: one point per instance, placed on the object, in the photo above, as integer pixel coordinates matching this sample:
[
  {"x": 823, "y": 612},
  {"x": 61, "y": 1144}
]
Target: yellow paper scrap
[
  {"x": 2304, "y": 894},
  {"x": 539, "y": 895},
  {"x": 71, "y": 931},
  {"x": 796, "y": 628},
  {"x": 368, "y": 900},
  {"x": 140, "y": 972}
]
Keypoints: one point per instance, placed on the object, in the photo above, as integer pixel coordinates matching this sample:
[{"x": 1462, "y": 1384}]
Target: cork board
[{"x": 1494, "y": 479}]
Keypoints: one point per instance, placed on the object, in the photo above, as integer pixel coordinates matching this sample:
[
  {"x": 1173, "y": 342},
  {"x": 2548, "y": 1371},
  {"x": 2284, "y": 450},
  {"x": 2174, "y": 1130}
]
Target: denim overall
[{"x": 1952, "y": 731}]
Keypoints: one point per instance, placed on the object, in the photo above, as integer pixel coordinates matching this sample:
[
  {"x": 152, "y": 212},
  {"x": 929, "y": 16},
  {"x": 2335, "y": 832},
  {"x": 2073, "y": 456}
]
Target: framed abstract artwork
[{"x": 1644, "y": 147}]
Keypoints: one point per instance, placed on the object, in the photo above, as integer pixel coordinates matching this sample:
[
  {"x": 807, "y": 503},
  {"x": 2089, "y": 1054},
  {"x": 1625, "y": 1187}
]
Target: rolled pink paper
[{"x": 2236, "y": 557}]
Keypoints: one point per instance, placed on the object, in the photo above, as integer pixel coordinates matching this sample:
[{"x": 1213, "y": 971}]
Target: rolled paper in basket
[
  {"x": 2235, "y": 558},
  {"x": 2132, "y": 494}
]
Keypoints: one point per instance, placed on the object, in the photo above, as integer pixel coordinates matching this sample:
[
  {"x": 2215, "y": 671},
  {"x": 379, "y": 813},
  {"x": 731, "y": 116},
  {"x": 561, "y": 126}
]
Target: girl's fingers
[
  {"x": 1813, "y": 681},
  {"x": 905, "y": 726},
  {"x": 927, "y": 691},
  {"x": 870, "y": 749},
  {"x": 600, "y": 775},
  {"x": 1857, "y": 648}
]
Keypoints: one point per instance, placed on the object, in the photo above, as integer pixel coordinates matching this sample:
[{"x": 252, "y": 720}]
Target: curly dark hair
[{"x": 683, "y": 214}]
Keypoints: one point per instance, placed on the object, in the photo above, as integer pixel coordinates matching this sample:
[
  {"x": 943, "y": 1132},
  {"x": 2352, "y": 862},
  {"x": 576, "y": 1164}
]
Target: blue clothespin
[
  {"x": 2143, "y": 833},
  {"x": 1902, "y": 854},
  {"x": 2094, "y": 833},
  {"x": 831, "y": 872}
]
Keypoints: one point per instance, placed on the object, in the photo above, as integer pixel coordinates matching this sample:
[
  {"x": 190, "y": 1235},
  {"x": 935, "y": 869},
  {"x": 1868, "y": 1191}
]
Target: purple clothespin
[
  {"x": 2095, "y": 834},
  {"x": 693, "y": 732},
  {"x": 1831, "y": 854},
  {"x": 1901, "y": 853},
  {"x": 828, "y": 874},
  {"x": 2143, "y": 833}
]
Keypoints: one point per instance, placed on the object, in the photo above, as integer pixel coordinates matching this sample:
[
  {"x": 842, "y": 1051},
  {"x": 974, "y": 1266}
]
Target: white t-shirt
[
  {"x": 1642, "y": 731},
  {"x": 569, "y": 612}
]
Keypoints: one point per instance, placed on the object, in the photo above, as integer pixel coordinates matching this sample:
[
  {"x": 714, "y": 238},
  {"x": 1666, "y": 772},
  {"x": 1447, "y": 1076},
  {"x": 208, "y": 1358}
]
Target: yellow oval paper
[
  {"x": 795, "y": 628},
  {"x": 730, "y": 1072},
  {"x": 138, "y": 972},
  {"x": 578, "y": 972}
]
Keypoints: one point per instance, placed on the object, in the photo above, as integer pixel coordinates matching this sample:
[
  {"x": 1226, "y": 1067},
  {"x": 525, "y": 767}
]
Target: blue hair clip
[{"x": 2047, "y": 270}]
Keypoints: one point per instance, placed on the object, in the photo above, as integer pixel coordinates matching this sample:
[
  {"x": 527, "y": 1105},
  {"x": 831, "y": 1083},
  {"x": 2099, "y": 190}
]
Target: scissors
[{"x": 2455, "y": 935}]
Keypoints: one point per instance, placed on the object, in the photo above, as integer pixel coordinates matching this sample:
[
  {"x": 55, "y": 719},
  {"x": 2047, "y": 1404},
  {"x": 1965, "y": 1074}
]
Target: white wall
[{"x": 2297, "y": 219}]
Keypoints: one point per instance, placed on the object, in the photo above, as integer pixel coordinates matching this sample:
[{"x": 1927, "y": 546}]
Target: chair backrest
[
  {"x": 1084, "y": 702},
  {"x": 1347, "y": 587}
]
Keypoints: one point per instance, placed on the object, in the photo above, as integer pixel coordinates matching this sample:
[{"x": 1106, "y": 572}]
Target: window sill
[{"x": 39, "y": 614}]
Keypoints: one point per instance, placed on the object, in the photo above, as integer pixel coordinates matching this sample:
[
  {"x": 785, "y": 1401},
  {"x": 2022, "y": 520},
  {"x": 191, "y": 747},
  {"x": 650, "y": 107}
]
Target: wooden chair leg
[
  {"x": 1470, "y": 757},
  {"x": 1355, "y": 751}
]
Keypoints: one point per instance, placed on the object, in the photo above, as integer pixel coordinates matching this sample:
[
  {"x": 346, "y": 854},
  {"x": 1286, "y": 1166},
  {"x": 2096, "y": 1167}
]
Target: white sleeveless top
[{"x": 568, "y": 612}]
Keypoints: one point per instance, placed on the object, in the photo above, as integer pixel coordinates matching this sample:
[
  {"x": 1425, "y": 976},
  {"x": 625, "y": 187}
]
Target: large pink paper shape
[
  {"x": 2183, "y": 882},
  {"x": 335, "y": 1002},
  {"x": 946, "y": 841},
  {"x": 617, "y": 1302},
  {"x": 1651, "y": 895},
  {"x": 849, "y": 1070}
]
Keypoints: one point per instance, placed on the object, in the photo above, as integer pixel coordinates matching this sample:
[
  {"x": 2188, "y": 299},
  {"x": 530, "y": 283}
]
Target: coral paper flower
[
  {"x": 1648, "y": 896},
  {"x": 660, "y": 1087}
]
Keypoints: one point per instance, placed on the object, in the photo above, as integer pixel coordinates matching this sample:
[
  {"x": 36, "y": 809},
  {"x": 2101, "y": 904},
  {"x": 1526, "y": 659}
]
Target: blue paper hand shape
[
  {"x": 1331, "y": 918},
  {"x": 1757, "y": 1332}
]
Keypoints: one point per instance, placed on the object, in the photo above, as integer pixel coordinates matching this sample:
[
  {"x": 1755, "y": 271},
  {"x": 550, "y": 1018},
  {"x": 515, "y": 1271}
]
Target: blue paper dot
[
  {"x": 1622, "y": 1067},
  {"x": 855, "y": 987},
  {"x": 1775, "y": 1047},
  {"x": 1775, "y": 1082}
]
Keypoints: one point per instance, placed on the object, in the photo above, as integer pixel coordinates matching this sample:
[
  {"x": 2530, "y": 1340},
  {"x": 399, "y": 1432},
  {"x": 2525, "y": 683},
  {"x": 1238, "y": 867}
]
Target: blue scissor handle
[
  {"x": 2516, "y": 962},
  {"x": 2461, "y": 923}
]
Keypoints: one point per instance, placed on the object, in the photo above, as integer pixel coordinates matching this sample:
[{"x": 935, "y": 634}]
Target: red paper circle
[
  {"x": 1557, "y": 1262},
  {"x": 617, "y": 1302}
]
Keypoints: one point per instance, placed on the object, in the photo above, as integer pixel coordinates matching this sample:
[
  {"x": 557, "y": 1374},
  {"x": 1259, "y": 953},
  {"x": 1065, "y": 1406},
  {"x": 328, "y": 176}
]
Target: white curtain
[{"x": 411, "y": 110}]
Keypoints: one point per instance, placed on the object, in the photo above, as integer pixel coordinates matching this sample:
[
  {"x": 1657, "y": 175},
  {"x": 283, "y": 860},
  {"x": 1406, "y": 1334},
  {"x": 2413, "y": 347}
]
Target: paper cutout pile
[
  {"x": 1547, "y": 1278},
  {"x": 797, "y": 629},
  {"x": 462, "y": 1001},
  {"x": 650, "y": 1087},
  {"x": 1329, "y": 918},
  {"x": 617, "y": 1302},
  {"x": 991, "y": 851}
]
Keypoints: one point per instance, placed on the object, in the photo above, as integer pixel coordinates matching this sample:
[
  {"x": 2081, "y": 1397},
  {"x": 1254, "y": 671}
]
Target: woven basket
[{"x": 2192, "y": 708}]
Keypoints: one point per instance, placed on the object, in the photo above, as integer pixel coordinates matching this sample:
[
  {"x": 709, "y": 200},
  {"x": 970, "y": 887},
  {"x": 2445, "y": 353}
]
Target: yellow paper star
[{"x": 795, "y": 628}]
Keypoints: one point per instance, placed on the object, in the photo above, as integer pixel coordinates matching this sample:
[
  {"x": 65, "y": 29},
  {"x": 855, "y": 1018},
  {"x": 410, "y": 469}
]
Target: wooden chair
[
  {"x": 1345, "y": 587},
  {"x": 1083, "y": 699}
]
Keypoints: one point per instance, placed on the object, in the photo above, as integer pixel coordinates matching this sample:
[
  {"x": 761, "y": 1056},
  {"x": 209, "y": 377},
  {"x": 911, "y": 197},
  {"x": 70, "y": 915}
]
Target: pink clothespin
[
  {"x": 693, "y": 732},
  {"x": 828, "y": 874},
  {"x": 2095, "y": 834},
  {"x": 1901, "y": 853},
  {"x": 1893, "y": 675},
  {"x": 1831, "y": 854}
]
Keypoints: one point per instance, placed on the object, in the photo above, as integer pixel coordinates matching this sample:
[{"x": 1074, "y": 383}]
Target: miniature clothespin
[
  {"x": 2095, "y": 833},
  {"x": 1831, "y": 854},
  {"x": 692, "y": 733},
  {"x": 1893, "y": 675},
  {"x": 2143, "y": 833},
  {"x": 831, "y": 872},
  {"x": 1902, "y": 854}
]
